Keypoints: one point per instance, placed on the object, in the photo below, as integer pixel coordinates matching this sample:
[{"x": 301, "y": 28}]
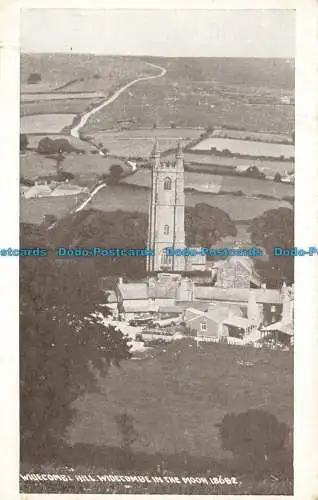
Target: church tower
[{"x": 166, "y": 212}]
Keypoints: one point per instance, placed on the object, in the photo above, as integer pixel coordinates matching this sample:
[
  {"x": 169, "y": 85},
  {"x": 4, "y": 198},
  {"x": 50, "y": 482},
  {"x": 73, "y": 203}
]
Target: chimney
[{"x": 211, "y": 306}]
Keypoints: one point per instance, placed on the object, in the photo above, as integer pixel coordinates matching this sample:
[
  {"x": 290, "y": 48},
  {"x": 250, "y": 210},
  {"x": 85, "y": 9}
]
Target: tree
[
  {"x": 26, "y": 182},
  {"x": 47, "y": 146},
  {"x": 253, "y": 437},
  {"x": 205, "y": 225},
  {"x": 277, "y": 177},
  {"x": 253, "y": 172},
  {"x": 125, "y": 424},
  {"x": 24, "y": 142},
  {"x": 63, "y": 176},
  {"x": 275, "y": 228},
  {"x": 49, "y": 219},
  {"x": 63, "y": 342},
  {"x": 53, "y": 146},
  {"x": 119, "y": 229},
  {"x": 34, "y": 78},
  {"x": 115, "y": 172}
]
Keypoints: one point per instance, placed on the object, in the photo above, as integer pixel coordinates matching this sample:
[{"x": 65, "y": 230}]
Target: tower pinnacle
[
  {"x": 179, "y": 151},
  {"x": 155, "y": 149}
]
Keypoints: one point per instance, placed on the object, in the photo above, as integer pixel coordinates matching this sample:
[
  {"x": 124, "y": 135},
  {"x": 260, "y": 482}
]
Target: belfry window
[
  {"x": 166, "y": 229},
  {"x": 167, "y": 184},
  {"x": 166, "y": 260}
]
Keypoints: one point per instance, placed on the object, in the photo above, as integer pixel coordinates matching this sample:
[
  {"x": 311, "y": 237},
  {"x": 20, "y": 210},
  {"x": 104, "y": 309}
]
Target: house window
[
  {"x": 166, "y": 229},
  {"x": 167, "y": 184},
  {"x": 273, "y": 309},
  {"x": 203, "y": 326}
]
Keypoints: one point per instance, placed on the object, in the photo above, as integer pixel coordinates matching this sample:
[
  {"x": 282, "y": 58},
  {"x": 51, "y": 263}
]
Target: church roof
[{"x": 265, "y": 296}]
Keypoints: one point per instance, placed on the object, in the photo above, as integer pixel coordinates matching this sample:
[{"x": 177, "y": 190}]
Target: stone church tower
[{"x": 166, "y": 212}]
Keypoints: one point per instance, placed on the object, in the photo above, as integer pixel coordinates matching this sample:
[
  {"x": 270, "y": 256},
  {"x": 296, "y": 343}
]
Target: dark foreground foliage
[{"x": 63, "y": 344}]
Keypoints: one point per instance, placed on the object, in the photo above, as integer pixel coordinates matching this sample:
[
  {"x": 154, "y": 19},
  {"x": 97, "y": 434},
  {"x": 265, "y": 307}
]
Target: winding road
[{"x": 76, "y": 129}]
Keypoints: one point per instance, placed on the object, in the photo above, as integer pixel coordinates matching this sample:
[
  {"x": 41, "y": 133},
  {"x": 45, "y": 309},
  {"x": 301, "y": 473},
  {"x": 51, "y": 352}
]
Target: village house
[
  {"x": 68, "y": 189},
  {"x": 38, "y": 190},
  {"x": 283, "y": 330},
  {"x": 269, "y": 302},
  {"x": 236, "y": 272},
  {"x": 218, "y": 322}
]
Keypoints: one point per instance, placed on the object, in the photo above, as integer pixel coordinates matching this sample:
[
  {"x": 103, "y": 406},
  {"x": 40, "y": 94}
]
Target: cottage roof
[
  {"x": 238, "y": 322},
  {"x": 66, "y": 186},
  {"x": 133, "y": 291},
  {"x": 170, "y": 309},
  {"x": 281, "y": 327},
  {"x": 264, "y": 296},
  {"x": 38, "y": 189},
  {"x": 219, "y": 314},
  {"x": 140, "y": 307}
]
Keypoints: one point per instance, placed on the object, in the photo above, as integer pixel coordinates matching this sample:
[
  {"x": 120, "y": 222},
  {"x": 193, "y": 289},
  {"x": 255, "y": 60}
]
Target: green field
[
  {"x": 77, "y": 75},
  {"x": 217, "y": 183},
  {"x": 176, "y": 398},
  {"x": 139, "y": 142},
  {"x": 199, "y": 160},
  {"x": 135, "y": 198},
  {"x": 249, "y": 135},
  {"x": 33, "y": 210},
  {"x": 54, "y": 106},
  {"x": 34, "y": 165},
  {"x": 89, "y": 167},
  {"x": 86, "y": 168},
  {"x": 42, "y": 124},
  {"x": 34, "y": 140}
]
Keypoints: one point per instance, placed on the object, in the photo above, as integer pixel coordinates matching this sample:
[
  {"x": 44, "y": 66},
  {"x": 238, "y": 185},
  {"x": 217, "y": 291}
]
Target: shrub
[
  {"x": 34, "y": 78},
  {"x": 64, "y": 176},
  {"x": 26, "y": 182},
  {"x": 24, "y": 142},
  {"x": 50, "y": 146},
  {"x": 253, "y": 437}
]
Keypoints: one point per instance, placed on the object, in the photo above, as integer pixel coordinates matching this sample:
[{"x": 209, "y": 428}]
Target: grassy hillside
[
  {"x": 267, "y": 73},
  {"x": 207, "y": 92},
  {"x": 175, "y": 400},
  {"x": 91, "y": 70}
]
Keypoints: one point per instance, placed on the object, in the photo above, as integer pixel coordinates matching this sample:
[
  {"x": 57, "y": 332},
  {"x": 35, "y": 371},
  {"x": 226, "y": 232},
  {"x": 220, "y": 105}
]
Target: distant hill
[
  {"x": 258, "y": 72},
  {"x": 61, "y": 68}
]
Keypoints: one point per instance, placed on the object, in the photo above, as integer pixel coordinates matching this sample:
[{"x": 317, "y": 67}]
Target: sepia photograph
[{"x": 156, "y": 256}]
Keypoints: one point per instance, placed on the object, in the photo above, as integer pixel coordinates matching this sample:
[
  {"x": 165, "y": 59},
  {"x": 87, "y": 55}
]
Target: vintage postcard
[{"x": 161, "y": 261}]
